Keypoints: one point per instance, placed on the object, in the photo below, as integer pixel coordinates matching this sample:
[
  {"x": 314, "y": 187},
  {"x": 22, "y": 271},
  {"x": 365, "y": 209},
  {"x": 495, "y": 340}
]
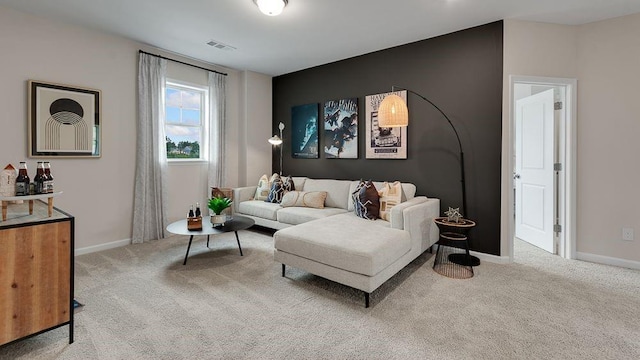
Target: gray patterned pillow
[{"x": 366, "y": 200}]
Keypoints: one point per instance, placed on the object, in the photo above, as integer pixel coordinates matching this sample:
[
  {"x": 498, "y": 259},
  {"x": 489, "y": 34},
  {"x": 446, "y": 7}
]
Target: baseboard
[
  {"x": 107, "y": 246},
  {"x": 606, "y": 260},
  {"x": 491, "y": 258}
]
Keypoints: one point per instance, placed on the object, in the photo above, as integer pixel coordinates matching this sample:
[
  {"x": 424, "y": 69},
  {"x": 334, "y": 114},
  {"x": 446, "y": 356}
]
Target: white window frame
[{"x": 204, "y": 119}]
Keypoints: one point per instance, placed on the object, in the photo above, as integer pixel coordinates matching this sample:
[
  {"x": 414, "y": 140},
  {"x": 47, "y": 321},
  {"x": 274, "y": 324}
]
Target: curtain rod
[{"x": 181, "y": 62}]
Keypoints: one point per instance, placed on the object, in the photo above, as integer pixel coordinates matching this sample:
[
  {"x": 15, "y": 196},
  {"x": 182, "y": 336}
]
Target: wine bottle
[
  {"x": 39, "y": 179},
  {"x": 47, "y": 172},
  {"x": 22, "y": 181}
]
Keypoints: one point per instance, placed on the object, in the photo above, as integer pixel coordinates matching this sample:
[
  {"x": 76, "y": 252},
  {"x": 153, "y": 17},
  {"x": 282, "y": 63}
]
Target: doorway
[{"x": 542, "y": 156}]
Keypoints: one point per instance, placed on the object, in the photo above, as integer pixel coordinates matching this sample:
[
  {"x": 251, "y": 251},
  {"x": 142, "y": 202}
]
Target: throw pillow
[
  {"x": 287, "y": 183},
  {"x": 262, "y": 192},
  {"x": 390, "y": 196},
  {"x": 366, "y": 200},
  {"x": 274, "y": 177},
  {"x": 312, "y": 199},
  {"x": 276, "y": 192}
]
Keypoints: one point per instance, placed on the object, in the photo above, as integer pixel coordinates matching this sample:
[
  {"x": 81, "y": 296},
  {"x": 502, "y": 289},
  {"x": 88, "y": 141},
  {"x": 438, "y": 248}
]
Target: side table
[{"x": 454, "y": 235}]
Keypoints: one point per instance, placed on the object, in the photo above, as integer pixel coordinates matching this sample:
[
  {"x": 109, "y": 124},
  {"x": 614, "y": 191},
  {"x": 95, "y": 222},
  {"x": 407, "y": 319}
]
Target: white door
[{"x": 534, "y": 173}]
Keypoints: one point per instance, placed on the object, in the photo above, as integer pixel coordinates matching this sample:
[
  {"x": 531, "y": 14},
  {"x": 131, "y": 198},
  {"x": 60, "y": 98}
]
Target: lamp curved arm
[
  {"x": 395, "y": 88},
  {"x": 462, "y": 175}
]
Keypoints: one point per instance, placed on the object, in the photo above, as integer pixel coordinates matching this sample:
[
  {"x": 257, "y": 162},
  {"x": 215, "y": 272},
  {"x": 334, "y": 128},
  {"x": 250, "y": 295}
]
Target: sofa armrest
[
  {"x": 396, "y": 217},
  {"x": 416, "y": 217},
  {"x": 243, "y": 194}
]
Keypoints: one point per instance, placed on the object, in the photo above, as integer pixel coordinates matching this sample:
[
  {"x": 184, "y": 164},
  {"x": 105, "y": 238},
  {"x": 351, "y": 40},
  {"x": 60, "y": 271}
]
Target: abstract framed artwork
[
  {"x": 384, "y": 143},
  {"x": 304, "y": 131},
  {"x": 341, "y": 129},
  {"x": 64, "y": 121}
]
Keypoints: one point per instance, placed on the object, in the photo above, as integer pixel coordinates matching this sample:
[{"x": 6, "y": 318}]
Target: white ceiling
[{"x": 308, "y": 32}]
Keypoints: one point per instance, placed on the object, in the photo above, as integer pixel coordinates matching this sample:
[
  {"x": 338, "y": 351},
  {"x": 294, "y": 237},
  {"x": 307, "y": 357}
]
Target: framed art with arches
[{"x": 64, "y": 121}]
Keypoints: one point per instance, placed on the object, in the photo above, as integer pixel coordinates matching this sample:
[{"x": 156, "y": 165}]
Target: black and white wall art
[
  {"x": 384, "y": 143},
  {"x": 341, "y": 129},
  {"x": 63, "y": 120}
]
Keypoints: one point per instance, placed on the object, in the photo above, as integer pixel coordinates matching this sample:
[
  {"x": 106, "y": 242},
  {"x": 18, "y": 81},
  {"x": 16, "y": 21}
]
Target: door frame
[{"x": 567, "y": 136}]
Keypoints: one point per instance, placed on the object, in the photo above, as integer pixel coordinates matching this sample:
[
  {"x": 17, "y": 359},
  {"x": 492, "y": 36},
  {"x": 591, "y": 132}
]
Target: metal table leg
[
  {"x": 188, "y": 247},
  {"x": 238, "y": 240}
]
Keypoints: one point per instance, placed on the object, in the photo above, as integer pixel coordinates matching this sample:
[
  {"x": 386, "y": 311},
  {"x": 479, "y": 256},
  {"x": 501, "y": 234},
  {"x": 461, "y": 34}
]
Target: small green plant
[{"x": 218, "y": 204}]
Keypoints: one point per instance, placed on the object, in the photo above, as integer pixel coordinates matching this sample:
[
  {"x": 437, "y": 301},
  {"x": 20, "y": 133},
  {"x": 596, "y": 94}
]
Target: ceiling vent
[{"x": 221, "y": 46}]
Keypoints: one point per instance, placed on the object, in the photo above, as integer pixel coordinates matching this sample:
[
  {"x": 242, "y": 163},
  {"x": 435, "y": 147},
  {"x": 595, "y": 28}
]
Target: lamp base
[{"x": 464, "y": 259}]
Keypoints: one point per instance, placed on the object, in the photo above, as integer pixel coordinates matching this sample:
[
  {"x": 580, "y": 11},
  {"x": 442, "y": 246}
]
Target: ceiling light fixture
[{"x": 271, "y": 7}]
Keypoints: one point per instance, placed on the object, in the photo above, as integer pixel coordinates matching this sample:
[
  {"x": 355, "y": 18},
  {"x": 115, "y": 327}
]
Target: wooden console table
[
  {"x": 6, "y": 199},
  {"x": 36, "y": 279}
]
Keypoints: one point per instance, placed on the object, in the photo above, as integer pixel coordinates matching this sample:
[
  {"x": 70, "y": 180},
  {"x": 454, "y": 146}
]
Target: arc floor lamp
[{"x": 393, "y": 112}]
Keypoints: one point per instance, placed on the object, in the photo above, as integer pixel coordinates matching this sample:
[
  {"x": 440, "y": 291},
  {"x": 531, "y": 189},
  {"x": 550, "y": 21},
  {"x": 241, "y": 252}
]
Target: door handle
[{"x": 516, "y": 176}]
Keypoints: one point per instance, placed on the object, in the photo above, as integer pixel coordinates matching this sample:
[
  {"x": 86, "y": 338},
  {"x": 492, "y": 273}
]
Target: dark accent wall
[{"x": 461, "y": 73}]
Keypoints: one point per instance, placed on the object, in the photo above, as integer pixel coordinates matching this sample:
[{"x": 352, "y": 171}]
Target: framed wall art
[
  {"x": 341, "y": 129},
  {"x": 63, "y": 121},
  {"x": 384, "y": 143},
  {"x": 304, "y": 131}
]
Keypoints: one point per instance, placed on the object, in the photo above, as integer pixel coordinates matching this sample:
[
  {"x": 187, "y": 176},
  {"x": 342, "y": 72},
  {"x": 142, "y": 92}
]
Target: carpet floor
[{"x": 142, "y": 303}]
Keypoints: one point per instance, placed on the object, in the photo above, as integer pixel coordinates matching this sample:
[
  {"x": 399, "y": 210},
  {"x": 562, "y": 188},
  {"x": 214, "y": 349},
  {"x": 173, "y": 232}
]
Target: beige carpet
[{"x": 142, "y": 303}]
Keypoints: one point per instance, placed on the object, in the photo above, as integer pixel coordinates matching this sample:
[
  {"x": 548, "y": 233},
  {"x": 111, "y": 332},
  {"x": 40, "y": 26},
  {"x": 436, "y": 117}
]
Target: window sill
[{"x": 187, "y": 162}]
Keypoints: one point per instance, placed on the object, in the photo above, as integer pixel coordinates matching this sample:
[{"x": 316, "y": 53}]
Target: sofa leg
[
  {"x": 366, "y": 299},
  {"x": 282, "y": 270}
]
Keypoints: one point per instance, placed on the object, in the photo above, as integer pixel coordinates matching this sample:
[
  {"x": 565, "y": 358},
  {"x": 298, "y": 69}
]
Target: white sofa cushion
[
  {"x": 337, "y": 191},
  {"x": 259, "y": 208},
  {"x": 298, "y": 181},
  {"x": 346, "y": 242},
  {"x": 378, "y": 222},
  {"x": 299, "y": 215}
]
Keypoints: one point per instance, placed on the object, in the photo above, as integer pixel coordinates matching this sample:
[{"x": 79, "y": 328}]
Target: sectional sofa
[{"x": 334, "y": 243}]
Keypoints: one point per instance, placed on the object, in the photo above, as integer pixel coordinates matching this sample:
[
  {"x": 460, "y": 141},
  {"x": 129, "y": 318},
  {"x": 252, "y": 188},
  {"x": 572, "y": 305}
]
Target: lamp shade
[
  {"x": 275, "y": 140},
  {"x": 393, "y": 112},
  {"x": 271, "y": 7}
]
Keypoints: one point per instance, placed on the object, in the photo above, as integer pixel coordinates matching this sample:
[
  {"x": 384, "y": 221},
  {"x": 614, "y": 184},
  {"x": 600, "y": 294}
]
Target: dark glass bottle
[
  {"x": 22, "y": 181},
  {"x": 198, "y": 213},
  {"x": 40, "y": 179},
  {"x": 47, "y": 172},
  {"x": 191, "y": 212}
]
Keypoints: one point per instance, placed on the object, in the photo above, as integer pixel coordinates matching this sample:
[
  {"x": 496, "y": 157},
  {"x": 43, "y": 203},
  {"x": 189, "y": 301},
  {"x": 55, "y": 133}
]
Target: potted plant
[{"x": 217, "y": 205}]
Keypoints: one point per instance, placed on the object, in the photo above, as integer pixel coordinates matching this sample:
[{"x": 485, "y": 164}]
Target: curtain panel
[
  {"x": 150, "y": 197},
  {"x": 217, "y": 129}
]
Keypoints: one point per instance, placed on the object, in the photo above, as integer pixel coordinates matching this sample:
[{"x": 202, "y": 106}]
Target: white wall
[
  {"x": 608, "y": 131},
  {"x": 531, "y": 49},
  {"x": 99, "y": 192},
  {"x": 603, "y": 56},
  {"x": 258, "y": 114}
]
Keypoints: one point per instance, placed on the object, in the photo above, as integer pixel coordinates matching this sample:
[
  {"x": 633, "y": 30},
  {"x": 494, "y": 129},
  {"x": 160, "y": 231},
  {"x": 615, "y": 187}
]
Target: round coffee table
[{"x": 235, "y": 224}]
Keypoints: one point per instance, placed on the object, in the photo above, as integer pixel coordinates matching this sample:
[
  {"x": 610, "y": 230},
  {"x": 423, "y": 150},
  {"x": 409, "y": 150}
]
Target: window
[{"x": 185, "y": 121}]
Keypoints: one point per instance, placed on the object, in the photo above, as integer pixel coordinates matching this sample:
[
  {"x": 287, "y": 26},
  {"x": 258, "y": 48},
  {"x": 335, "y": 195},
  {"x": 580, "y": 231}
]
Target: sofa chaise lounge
[{"x": 334, "y": 243}]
